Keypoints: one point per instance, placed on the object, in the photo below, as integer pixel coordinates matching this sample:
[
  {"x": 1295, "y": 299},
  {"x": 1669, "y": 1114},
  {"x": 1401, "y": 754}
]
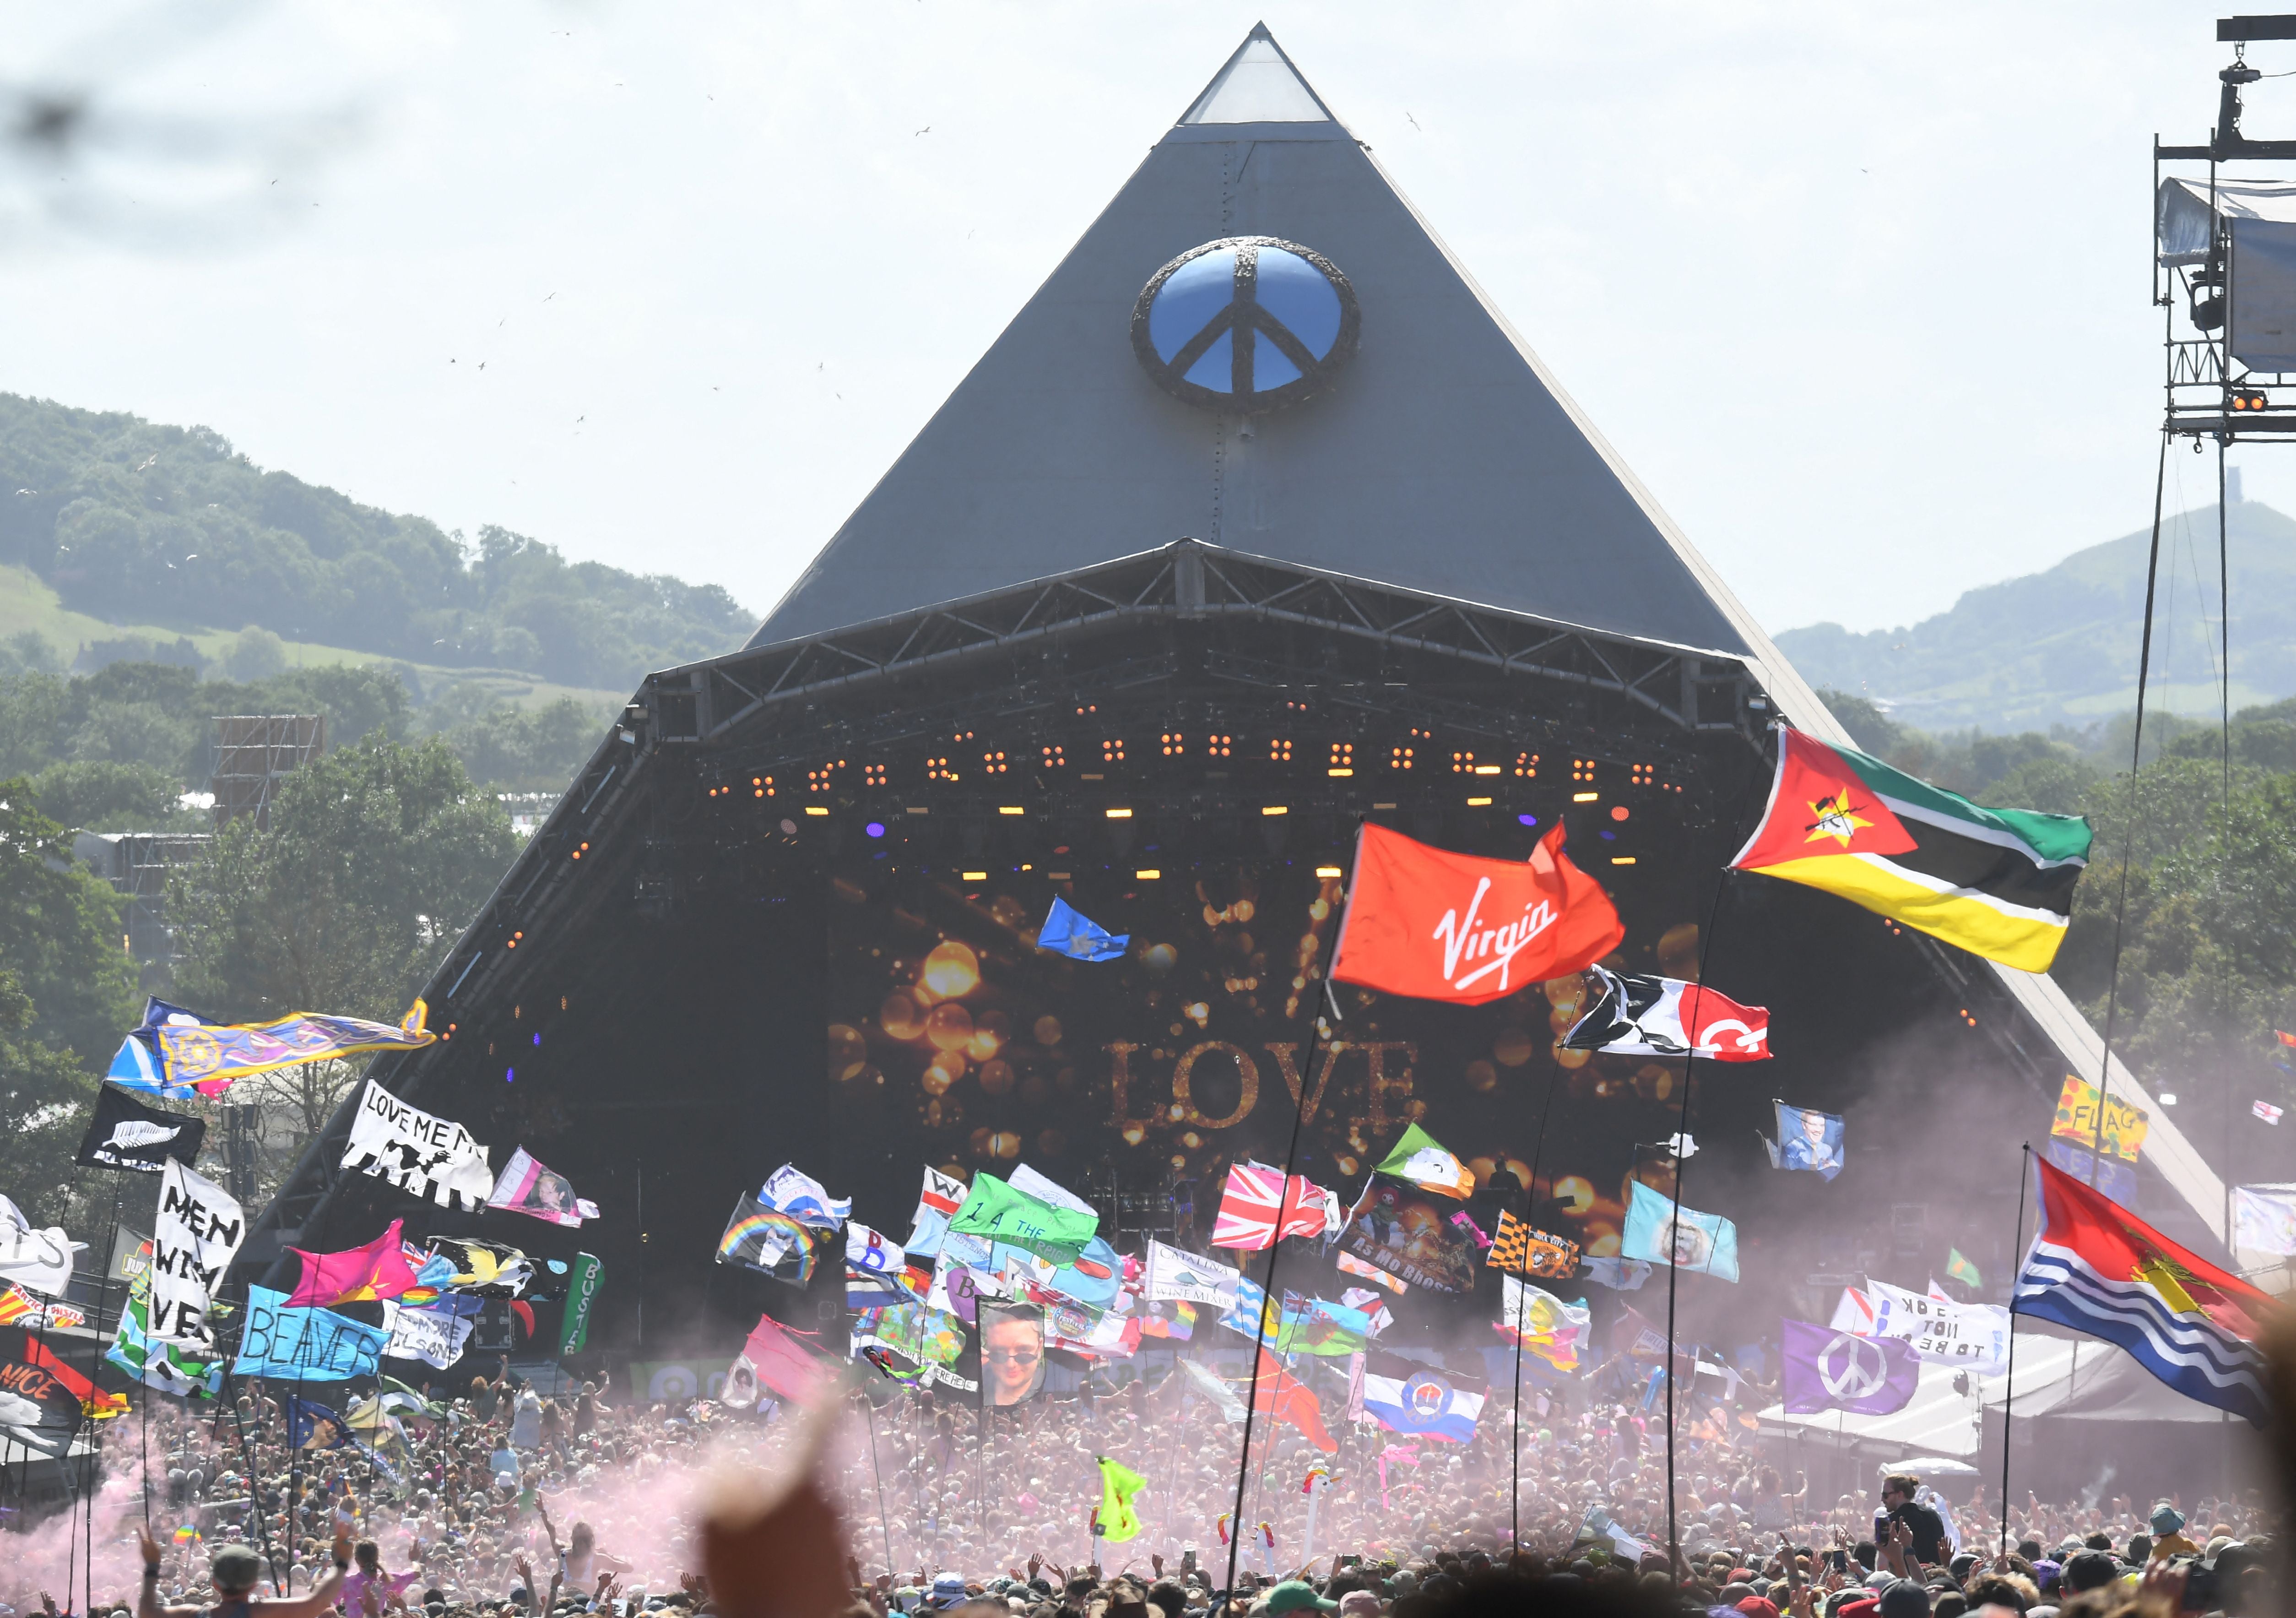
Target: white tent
[{"x": 1938, "y": 1420}]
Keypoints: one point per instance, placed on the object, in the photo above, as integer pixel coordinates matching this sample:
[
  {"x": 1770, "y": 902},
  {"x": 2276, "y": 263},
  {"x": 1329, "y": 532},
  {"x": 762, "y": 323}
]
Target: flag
[
  {"x": 1526, "y": 1251},
  {"x": 873, "y": 1269},
  {"x": 423, "y": 1156},
  {"x": 768, "y": 1241},
  {"x": 1809, "y": 1139},
  {"x": 15, "y": 1303},
  {"x": 1222, "y": 1396},
  {"x": 1546, "y": 1326},
  {"x": 1996, "y": 881},
  {"x": 483, "y": 1270},
  {"x": 1826, "y": 1368},
  {"x": 1315, "y": 1326},
  {"x": 1373, "y": 1306},
  {"x": 1963, "y": 1269},
  {"x": 302, "y": 1344},
  {"x": 777, "y": 1362},
  {"x": 1705, "y": 1244},
  {"x": 1116, "y": 1521},
  {"x": 1002, "y": 1213},
  {"x": 1409, "y": 1233},
  {"x": 158, "y": 1365},
  {"x": 2264, "y": 1219},
  {"x": 2266, "y": 1111},
  {"x": 1619, "y": 1275},
  {"x": 360, "y": 1275},
  {"x": 2098, "y": 1268},
  {"x": 38, "y": 1261},
  {"x": 1287, "y": 1399},
  {"x": 526, "y": 1186},
  {"x": 196, "y": 1232},
  {"x": 583, "y": 1281},
  {"x": 941, "y": 1198},
  {"x": 434, "y": 1336},
  {"x": 1417, "y": 1158},
  {"x": 313, "y": 1426},
  {"x": 39, "y": 1390},
  {"x": 1068, "y": 932},
  {"x": 2124, "y": 1122},
  {"x": 178, "y": 1054},
  {"x": 1257, "y": 1200},
  {"x": 804, "y": 1199},
  {"x": 125, "y": 1134},
  {"x": 1405, "y": 1396},
  {"x": 1637, "y": 1015},
  {"x": 1349, "y": 1264},
  {"x": 1425, "y": 922},
  {"x": 1175, "y": 1274}
]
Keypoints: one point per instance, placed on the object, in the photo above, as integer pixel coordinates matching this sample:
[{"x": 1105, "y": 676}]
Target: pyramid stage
[{"x": 1257, "y": 522}]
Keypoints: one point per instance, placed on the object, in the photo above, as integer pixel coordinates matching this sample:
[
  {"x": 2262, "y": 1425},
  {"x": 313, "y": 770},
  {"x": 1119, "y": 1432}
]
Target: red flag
[
  {"x": 1285, "y": 1398},
  {"x": 92, "y": 1403},
  {"x": 1249, "y": 1210},
  {"x": 361, "y": 1275},
  {"x": 1444, "y": 926},
  {"x": 776, "y": 1362}
]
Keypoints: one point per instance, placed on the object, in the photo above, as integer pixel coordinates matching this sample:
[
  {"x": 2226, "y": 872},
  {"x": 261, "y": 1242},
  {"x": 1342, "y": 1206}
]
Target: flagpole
[
  {"x": 2009, "y": 1395},
  {"x": 1529, "y": 1204},
  {"x": 1317, "y": 1034}
]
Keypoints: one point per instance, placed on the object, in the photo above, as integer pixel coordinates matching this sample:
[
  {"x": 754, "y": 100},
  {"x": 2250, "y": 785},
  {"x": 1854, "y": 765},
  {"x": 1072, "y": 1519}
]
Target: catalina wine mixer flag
[
  {"x": 1635, "y": 1016},
  {"x": 1827, "y": 1370},
  {"x": 2098, "y": 1268},
  {"x": 526, "y": 1186},
  {"x": 179, "y": 1054},
  {"x": 125, "y": 1134},
  {"x": 423, "y": 1155},
  {"x": 1442, "y": 926},
  {"x": 197, "y": 1230},
  {"x": 1996, "y": 881}
]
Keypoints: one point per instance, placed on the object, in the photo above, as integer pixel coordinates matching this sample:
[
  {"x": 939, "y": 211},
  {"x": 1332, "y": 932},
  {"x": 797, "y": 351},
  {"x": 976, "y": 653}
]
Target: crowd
[{"x": 492, "y": 1499}]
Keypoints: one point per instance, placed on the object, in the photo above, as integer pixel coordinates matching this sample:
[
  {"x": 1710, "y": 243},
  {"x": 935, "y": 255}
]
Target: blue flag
[
  {"x": 303, "y": 1344},
  {"x": 1658, "y": 1231},
  {"x": 1068, "y": 932},
  {"x": 1806, "y": 1140},
  {"x": 313, "y": 1426}
]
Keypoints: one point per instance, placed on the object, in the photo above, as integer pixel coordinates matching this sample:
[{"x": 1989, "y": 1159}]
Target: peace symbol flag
[{"x": 1826, "y": 1369}]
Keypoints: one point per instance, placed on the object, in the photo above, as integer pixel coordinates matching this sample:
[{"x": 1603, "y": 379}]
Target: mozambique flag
[{"x": 1998, "y": 883}]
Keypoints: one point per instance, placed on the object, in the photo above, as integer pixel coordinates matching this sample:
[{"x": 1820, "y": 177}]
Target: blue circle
[
  {"x": 1245, "y": 324},
  {"x": 875, "y": 828},
  {"x": 1528, "y": 819}
]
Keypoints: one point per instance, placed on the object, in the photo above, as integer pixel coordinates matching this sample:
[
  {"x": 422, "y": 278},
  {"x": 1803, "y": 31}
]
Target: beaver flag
[
  {"x": 1443, "y": 926},
  {"x": 2098, "y": 1268},
  {"x": 1996, "y": 881}
]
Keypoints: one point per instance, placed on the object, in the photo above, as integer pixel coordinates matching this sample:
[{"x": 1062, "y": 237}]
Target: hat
[
  {"x": 948, "y": 1591},
  {"x": 1759, "y": 1607},
  {"x": 1298, "y": 1596},
  {"x": 2167, "y": 1519},
  {"x": 2090, "y": 1570},
  {"x": 1359, "y": 1604},
  {"x": 1905, "y": 1599},
  {"x": 235, "y": 1567}
]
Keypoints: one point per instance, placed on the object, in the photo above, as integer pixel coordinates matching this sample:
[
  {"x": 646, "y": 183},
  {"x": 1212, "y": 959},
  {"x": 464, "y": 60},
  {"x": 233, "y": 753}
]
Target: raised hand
[{"x": 149, "y": 1545}]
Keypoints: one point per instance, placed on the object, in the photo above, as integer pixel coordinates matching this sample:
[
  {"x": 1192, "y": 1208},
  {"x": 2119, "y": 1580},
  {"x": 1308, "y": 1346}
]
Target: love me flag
[
  {"x": 125, "y": 1134},
  {"x": 197, "y": 1230},
  {"x": 305, "y": 1345},
  {"x": 429, "y": 1157},
  {"x": 1428, "y": 922},
  {"x": 1656, "y": 1230}
]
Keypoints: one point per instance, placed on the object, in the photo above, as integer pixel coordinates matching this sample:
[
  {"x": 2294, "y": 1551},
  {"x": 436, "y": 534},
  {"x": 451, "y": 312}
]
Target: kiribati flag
[{"x": 2098, "y": 1268}]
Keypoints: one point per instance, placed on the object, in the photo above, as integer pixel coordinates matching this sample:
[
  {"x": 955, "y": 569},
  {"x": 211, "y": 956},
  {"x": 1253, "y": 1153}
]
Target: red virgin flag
[{"x": 1444, "y": 926}]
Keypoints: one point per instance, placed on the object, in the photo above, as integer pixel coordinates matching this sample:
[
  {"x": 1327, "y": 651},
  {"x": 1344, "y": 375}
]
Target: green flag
[
  {"x": 583, "y": 1279},
  {"x": 996, "y": 1211},
  {"x": 1959, "y": 1268},
  {"x": 1117, "y": 1521},
  {"x": 1418, "y": 1158}
]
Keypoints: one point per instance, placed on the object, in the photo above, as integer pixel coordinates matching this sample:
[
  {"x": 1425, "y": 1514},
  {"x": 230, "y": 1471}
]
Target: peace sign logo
[
  {"x": 1245, "y": 324},
  {"x": 1860, "y": 1373}
]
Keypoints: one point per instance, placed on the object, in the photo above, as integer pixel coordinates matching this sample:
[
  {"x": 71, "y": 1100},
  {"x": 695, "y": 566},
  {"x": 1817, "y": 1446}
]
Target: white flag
[
  {"x": 1028, "y": 1180},
  {"x": 423, "y": 1155},
  {"x": 868, "y": 1249},
  {"x": 38, "y": 1261},
  {"x": 2264, "y": 1219},
  {"x": 1973, "y": 1335},
  {"x": 431, "y": 1335},
  {"x": 199, "y": 1228},
  {"x": 1178, "y": 1276}
]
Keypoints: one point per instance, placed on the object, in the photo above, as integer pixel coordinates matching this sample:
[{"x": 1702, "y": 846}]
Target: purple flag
[{"x": 1829, "y": 1370}]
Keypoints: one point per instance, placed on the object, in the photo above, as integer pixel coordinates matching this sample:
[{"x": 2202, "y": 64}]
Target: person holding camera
[{"x": 1924, "y": 1526}]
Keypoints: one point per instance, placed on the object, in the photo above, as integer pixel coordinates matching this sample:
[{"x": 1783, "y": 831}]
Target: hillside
[
  {"x": 156, "y": 533},
  {"x": 2060, "y": 646}
]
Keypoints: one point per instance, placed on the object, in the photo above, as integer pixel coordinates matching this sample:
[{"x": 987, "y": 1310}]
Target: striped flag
[
  {"x": 2098, "y": 1268},
  {"x": 1250, "y": 1211}
]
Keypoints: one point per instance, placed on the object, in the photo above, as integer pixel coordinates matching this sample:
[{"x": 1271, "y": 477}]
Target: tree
[{"x": 376, "y": 858}]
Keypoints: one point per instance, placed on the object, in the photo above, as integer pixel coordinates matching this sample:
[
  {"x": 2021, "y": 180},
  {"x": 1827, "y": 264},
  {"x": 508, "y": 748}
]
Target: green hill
[
  {"x": 146, "y": 536},
  {"x": 2060, "y": 646}
]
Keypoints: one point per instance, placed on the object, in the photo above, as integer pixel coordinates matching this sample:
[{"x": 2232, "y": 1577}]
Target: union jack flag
[{"x": 1249, "y": 1210}]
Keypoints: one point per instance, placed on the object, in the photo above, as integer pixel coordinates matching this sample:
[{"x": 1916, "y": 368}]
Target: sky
[{"x": 1861, "y": 293}]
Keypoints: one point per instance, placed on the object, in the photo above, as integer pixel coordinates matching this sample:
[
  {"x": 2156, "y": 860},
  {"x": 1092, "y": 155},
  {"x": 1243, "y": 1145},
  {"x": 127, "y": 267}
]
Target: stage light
[
  {"x": 1398, "y": 758},
  {"x": 1054, "y": 758},
  {"x": 1112, "y": 751},
  {"x": 1119, "y": 814},
  {"x": 1279, "y": 751},
  {"x": 1175, "y": 743},
  {"x": 2168, "y": 1098},
  {"x": 1058, "y": 876},
  {"x": 1622, "y": 860},
  {"x": 1526, "y": 764},
  {"x": 1478, "y": 802},
  {"x": 1585, "y": 797},
  {"x": 1329, "y": 871},
  {"x": 1528, "y": 819},
  {"x": 972, "y": 876},
  {"x": 873, "y": 775},
  {"x": 789, "y": 828},
  {"x": 509, "y": 1075},
  {"x": 1339, "y": 772},
  {"x": 1010, "y": 808},
  {"x": 1582, "y": 769},
  {"x": 1146, "y": 875},
  {"x": 816, "y": 808},
  {"x": 2246, "y": 400},
  {"x": 1645, "y": 775},
  {"x": 1342, "y": 760},
  {"x": 875, "y": 828},
  {"x": 1617, "y": 811},
  {"x": 993, "y": 763},
  {"x": 1463, "y": 763},
  {"x": 1274, "y": 809},
  {"x": 1217, "y": 746}
]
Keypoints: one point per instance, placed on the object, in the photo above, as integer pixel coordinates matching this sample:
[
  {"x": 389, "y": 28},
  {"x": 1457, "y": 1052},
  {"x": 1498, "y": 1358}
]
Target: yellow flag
[{"x": 1117, "y": 1484}]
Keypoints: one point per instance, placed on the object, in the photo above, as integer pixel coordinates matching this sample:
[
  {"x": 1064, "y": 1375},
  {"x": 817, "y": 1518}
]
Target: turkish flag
[{"x": 1444, "y": 926}]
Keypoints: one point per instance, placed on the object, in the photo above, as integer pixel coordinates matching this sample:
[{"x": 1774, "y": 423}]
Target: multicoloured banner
[{"x": 179, "y": 1054}]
